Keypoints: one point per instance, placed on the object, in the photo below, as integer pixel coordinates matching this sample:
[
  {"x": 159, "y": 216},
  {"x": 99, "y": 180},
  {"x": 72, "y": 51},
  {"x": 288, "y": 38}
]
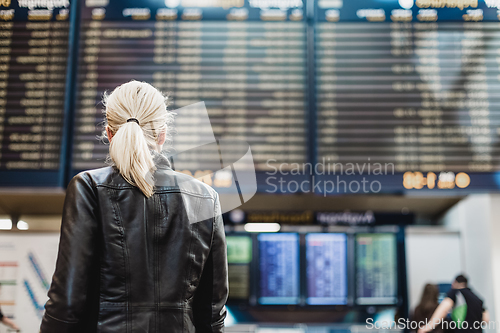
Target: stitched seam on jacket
[
  {"x": 125, "y": 254},
  {"x": 129, "y": 187},
  {"x": 213, "y": 222},
  {"x": 208, "y": 196},
  {"x": 94, "y": 186},
  {"x": 214, "y": 230},
  {"x": 60, "y": 320},
  {"x": 125, "y": 187},
  {"x": 156, "y": 238},
  {"x": 151, "y": 307},
  {"x": 196, "y": 235},
  {"x": 173, "y": 190},
  {"x": 99, "y": 216},
  {"x": 189, "y": 269}
]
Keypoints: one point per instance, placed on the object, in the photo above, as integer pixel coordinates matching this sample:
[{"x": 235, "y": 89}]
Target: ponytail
[
  {"x": 130, "y": 152},
  {"x": 132, "y": 141}
]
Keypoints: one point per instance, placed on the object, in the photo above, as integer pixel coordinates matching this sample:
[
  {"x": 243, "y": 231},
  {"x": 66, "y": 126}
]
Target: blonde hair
[{"x": 132, "y": 140}]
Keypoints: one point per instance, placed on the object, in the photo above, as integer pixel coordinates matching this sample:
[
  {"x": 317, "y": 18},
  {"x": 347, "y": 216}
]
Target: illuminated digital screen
[
  {"x": 402, "y": 94},
  {"x": 376, "y": 269},
  {"x": 247, "y": 64},
  {"x": 239, "y": 257},
  {"x": 279, "y": 269},
  {"x": 414, "y": 87},
  {"x": 239, "y": 282},
  {"x": 239, "y": 249},
  {"x": 326, "y": 269},
  {"x": 33, "y": 61}
]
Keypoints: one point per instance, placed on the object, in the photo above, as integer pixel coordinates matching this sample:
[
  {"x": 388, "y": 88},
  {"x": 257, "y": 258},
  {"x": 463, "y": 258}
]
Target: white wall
[
  {"x": 478, "y": 220},
  {"x": 432, "y": 256},
  {"x": 495, "y": 252},
  {"x": 31, "y": 259}
]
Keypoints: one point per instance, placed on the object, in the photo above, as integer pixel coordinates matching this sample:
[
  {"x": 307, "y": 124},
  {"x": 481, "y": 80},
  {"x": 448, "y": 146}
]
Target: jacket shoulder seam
[
  {"x": 207, "y": 196},
  {"x": 115, "y": 187},
  {"x": 87, "y": 179},
  {"x": 172, "y": 190}
]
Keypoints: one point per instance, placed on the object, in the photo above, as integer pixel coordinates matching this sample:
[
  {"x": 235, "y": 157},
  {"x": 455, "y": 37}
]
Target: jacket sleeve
[
  {"x": 66, "y": 308},
  {"x": 212, "y": 292}
]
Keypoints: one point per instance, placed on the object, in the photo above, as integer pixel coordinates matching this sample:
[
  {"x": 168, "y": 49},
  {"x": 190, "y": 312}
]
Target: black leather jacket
[{"x": 130, "y": 264}]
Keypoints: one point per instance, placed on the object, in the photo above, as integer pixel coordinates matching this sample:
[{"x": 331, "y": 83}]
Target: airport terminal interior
[{"x": 357, "y": 145}]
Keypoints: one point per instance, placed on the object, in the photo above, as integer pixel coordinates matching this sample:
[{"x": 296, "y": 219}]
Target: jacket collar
[{"x": 160, "y": 160}]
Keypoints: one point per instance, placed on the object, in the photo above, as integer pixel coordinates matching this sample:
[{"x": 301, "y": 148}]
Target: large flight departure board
[
  {"x": 376, "y": 269},
  {"x": 411, "y": 88},
  {"x": 33, "y": 59},
  {"x": 333, "y": 96},
  {"x": 326, "y": 269},
  {"x": 247, "y": 63},
  {"x": 279, "y": 281}
]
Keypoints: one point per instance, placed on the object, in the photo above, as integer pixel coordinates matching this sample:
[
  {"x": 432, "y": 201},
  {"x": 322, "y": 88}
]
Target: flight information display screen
[
  {"x": 279, "y": 281},
  {"x": 408, "y": 90},
  {"x": 376, "y": 269},
  {"x": 326, "y": 269},
  {"x": 333, "y": 96},
  {"x": 247, "y": 62},
  {"x": 239, "y": 257},
  {"x": 33, "y": 61}
]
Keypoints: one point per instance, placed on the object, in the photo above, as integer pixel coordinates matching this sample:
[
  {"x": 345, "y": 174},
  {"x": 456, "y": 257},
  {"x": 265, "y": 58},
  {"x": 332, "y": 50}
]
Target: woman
[
  {"x": 130, "y": 260},
  {"x": 428, "y": 303}
]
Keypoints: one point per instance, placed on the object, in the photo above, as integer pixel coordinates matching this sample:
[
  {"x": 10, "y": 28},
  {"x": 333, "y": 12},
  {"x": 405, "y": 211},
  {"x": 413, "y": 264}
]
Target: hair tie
[{"x": 133, "y": 119}]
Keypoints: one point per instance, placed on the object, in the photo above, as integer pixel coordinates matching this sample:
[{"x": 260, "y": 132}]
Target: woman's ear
[
  {"x": 161, "y": 138},
  {"x": 108, "y": 132}
]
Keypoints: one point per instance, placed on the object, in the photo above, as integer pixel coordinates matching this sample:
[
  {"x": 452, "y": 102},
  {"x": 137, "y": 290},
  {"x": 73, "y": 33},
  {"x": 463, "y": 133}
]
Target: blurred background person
[
  {"x": 428, "y": 304},
  {"x": 466, "y": 308}
]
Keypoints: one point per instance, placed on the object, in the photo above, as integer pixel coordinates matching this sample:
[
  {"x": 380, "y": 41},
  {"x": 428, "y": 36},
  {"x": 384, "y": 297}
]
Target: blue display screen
[
  {"x": 279, "y": 269},
  {"x": 326, "y": 269}
]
